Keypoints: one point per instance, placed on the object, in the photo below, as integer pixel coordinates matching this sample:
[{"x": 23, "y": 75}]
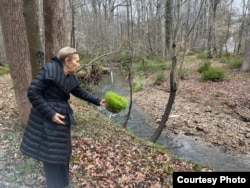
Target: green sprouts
[{"x": 114, "y": 102}]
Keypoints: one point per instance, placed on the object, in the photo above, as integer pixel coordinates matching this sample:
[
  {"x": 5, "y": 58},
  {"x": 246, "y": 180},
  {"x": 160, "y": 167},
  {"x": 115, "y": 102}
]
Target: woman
[{"x": 47, "y": 135}]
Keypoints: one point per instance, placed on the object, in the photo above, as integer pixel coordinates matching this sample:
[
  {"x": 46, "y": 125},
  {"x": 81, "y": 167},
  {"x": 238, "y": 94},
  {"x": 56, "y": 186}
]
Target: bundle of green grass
[{"x": 114, "y": 102}]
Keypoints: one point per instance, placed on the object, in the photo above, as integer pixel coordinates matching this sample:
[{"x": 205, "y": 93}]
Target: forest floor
[
  {"x": 105, "y": 155},
  {"x": 214, "y": 112}
]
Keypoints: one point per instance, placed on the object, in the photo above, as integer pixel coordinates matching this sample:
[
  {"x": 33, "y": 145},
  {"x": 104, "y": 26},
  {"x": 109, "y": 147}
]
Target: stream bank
[{"x": 201, "y": 128}]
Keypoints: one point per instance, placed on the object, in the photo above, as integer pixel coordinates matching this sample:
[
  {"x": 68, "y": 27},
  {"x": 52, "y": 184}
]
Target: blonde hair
[{"x": 66, "y": 52}]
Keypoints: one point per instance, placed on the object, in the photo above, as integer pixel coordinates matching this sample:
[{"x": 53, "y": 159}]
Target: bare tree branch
[{"x": 97, "y": 58}]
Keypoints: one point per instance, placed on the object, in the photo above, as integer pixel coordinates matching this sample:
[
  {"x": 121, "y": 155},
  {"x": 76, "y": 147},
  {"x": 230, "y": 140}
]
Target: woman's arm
[{"x": 81, "y": 93}]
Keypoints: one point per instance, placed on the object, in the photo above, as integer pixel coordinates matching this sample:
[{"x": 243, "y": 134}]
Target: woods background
[{"x": 33, "y": 31}]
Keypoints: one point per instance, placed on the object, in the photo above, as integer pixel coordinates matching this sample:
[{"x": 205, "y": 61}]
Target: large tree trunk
[
  {"x": 17, "y": 53},
  {"x": 31, "y": 15},
  {"x": 54, "y": 27}
]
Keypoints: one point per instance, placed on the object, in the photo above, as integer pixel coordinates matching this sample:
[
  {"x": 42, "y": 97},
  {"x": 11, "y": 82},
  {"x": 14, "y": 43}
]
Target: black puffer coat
[{"x": 49, "y": 93}]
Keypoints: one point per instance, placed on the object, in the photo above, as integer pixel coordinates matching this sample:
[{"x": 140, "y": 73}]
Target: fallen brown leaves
[
  {"x": 111, "y": 164},
  {"x": 233, "y": 91},
  {"x": 106, "y": 155}
]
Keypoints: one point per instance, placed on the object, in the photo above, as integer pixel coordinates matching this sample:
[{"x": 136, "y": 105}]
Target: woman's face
[{"x": 72, "y": 64}]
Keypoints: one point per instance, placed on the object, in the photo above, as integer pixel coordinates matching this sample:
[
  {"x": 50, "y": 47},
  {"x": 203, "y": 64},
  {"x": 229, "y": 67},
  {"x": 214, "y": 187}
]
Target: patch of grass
[
  {"x": 196, "y": 167},
  {"x": 217, "y": 93},
  {"x": 183, "y": 73},
  {"x": 4, "y": 70},
  {"x": 137, "y": 86},
  {"x": 28, "y": 166},
  {"x": 201, "y": 54},
  {"x": 236, "y": 62},
  {"x": 224, "y": 59},
  {"x": 124, "y": 58},
  {"x": 160, "y": 77},
  {"x": 190, "y": 53},
  {"x": 152, "y": 66}
]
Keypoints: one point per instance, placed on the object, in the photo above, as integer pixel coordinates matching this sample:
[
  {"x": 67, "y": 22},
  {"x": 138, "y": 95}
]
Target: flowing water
[{"x": 182, "y": 146}]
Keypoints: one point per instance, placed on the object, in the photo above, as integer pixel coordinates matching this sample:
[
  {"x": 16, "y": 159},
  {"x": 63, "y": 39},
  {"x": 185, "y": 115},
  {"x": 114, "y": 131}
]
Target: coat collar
[{"x": 54, "y": 72}]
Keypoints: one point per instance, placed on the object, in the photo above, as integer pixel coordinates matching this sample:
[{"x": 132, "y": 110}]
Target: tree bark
[
  {"x": 246, "y": 62},
  {"x": 73, "y": 27},
  {"x": 31, "y": 16},
  {"x": 54, "y": 27},
  {"x": 17, "y": 53}
]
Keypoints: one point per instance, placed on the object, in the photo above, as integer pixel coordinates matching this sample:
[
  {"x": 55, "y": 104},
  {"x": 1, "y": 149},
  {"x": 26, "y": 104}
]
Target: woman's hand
[
  {"x": 57, "y": 119},
  {"x": 103, "y": 103}
]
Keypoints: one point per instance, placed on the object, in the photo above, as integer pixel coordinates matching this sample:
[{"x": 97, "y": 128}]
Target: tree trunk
[
  {"x": 73, "y": 28},
  {"x": 209, "y": 29},
  {"x": 173, "y": 83},
  {"x": 31, "y": 16},
  {"x": 168, "y": 23},
  {"x": 54, "y": 27},
  {"x": 163, "y": 41},
  {"x": 241, "y": 31},
  {"x": 246, "y": 63},
  {"x": 223, "y": 39},
  {"x": 17, "y": 53},
  {"x": 173, "y": 89}
]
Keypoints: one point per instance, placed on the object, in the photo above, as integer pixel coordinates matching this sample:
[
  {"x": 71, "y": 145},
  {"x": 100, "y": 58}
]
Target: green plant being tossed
[{"x": 114, "y": 102}]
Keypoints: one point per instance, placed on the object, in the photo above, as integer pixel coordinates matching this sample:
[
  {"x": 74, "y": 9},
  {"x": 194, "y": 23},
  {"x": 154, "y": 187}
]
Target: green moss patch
[{"x": 114, "y": 102}]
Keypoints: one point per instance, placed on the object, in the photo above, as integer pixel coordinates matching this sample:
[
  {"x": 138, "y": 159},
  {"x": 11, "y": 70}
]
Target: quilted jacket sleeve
[
  {"x": 35, "y": 95},
  {"x": 81, "y": 93}
]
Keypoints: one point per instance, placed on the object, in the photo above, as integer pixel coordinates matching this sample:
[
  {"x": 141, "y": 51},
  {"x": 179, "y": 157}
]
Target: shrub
[
  {"x": 183, "y": 74},
  {"x": 236, "y": 62},
  {"x": 204, "y": 66},
  {"x": 137, "y": 86},
  {"x": 213, "y": 74},
  {"x": 160, "y": 77},
  {"x": 114, "y": 102},
  {"x": 233, "y": 62},
  {"x": 224, "y": 59},
  {"x": 124, "y": 58},
  {"x": 152, "y": 66}
]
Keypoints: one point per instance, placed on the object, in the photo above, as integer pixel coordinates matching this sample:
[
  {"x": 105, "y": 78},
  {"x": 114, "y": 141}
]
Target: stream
[{"x": 204, "y": 154}]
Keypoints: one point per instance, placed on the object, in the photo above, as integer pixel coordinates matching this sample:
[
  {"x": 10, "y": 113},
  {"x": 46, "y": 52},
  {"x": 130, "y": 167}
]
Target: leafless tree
[
  {"x": 173, "y": 82},
  {"x": 242, "y": 21},
  {"x": 31, "y": 17},
  {"x": 246, "y": 63},
  {"x": 72, "y": 4},
  {"x": 17, "y": 53},
  {"x": 54, "y": 27}
]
